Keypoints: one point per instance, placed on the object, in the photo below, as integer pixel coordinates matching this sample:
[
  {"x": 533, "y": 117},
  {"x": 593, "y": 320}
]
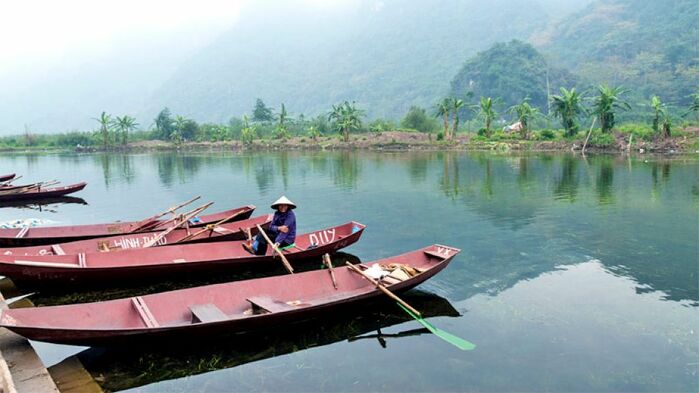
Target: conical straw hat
[{"x": 284, "y": 201}]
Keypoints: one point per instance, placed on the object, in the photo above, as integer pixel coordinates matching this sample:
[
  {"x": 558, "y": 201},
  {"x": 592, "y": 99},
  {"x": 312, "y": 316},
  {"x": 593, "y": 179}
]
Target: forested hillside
[
  {"x": 651, "y": 47},
  {"x": 510, "y": 72},
  {"x": 385, "y": 55}
]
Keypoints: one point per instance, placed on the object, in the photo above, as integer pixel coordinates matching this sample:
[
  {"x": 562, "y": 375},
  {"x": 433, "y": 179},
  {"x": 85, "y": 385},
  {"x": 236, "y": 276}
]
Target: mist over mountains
[{"x": 385, "y": 55}]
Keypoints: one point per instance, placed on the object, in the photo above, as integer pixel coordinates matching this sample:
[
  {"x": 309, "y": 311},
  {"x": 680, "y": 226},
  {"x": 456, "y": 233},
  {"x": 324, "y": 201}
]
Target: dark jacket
[{"x": 288, "y": 219}]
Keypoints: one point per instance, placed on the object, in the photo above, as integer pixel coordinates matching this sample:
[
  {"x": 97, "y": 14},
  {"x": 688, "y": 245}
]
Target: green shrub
[
  {"x": 602, "y": 139},
  {"x": 546, "y": 135},
  {"x": 482, "y": 132},
  {"x": 440, "y": 136}
]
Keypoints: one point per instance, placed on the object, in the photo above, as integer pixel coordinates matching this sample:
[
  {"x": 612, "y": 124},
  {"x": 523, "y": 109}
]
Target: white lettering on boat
[
  {"x": 136, "y": 242},
  {"x": 443, "y": 251},
  {"x": 322, "y": 237}
]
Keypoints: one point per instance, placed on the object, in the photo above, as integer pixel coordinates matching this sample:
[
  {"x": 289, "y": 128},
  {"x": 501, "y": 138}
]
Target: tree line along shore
[{"x": 574, "y": 119}]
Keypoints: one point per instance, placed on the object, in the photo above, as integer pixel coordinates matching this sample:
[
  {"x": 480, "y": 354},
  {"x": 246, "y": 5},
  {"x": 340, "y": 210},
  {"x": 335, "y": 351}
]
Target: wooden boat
[
  {"x": 240, "y": 306},
  {"x": 7, "y": 177},
  {"x": 44, "y": 203},
  {"x": 39, "y": 192},
  {"x": 223, "y": 232},
  {"x": 62, "y": 234},
  {"x": 359, "y": 324},
  {"x": 144, "y": 263}
]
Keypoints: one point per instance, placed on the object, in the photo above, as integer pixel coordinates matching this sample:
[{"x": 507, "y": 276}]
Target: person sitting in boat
[{"x": 282, "y": 229}]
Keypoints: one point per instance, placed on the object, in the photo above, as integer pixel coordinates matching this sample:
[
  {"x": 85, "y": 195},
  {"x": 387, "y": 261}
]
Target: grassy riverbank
[{"x": 622, "y": 140}]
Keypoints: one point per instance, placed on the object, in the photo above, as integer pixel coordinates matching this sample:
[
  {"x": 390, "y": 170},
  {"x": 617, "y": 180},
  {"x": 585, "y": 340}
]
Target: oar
[
  {"x": 210, "y": 227},
  {"x": 149, "y": 220},
  {"x": 446, "y": 336},
  {"x": 287, "y": 265},
  {"x": 329, "y": 264},
  {"x": 164, "y": 233}
]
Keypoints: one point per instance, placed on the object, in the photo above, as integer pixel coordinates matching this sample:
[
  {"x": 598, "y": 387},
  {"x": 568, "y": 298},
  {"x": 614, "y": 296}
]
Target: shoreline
[{"x": 399, "y": 141}]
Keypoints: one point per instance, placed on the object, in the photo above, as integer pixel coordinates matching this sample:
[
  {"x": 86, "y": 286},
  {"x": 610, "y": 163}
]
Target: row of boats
[
  {"x": 38, "y": 190},
  {"x": 181, "y": 245}
]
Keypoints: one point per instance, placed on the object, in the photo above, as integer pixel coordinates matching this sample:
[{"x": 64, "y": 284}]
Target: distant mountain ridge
[
  {"x": 385, "y": 55},
  {"x": 651, "y": 47}
]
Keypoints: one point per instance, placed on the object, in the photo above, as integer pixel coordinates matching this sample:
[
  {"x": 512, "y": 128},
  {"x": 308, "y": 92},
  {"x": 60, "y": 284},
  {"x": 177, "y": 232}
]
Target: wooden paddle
[
  {"x": 287, "y": 265},
  {"x": 149, "y": 221},
  {"x": 382, "y": 288},
  {"x": 329, "y": 264},
  {"x": 164, "y": 233},
  {"x": 446, "y": 336},
  {"x": 210, "y": 227}
]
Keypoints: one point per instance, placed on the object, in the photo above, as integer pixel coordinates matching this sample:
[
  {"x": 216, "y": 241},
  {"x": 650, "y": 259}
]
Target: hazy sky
[{"x": 38, "y": 32}]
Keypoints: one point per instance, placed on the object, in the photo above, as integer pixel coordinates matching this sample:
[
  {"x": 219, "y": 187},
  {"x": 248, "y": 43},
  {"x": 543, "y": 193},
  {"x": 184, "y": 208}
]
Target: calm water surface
[{"x": 575, "y": 274}]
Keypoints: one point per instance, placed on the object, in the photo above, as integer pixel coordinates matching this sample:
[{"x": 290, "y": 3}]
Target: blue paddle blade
[{"x": 446, "y": 336}]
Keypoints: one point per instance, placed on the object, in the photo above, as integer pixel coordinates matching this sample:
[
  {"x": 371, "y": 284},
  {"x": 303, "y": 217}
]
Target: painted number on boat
[{"x": 322, "y": 237}]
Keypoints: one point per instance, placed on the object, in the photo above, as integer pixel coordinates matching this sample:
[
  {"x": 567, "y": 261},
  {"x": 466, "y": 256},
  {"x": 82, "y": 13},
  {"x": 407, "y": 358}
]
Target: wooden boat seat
[
  {"x": 207, "y": 313},
  {"x": 434, "y": 254},
  {"x": 265, "y": 305},
  {"x": 143, "y": 310},
  {"x": 57, "y": 250}
]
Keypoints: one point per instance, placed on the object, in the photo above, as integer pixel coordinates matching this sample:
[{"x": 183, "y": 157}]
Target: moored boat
[
  {"x": 144, "y": 263},
  {"x": 37, "y": 192},
  {"x": 240, "y": 306},
  {"x": 61, "y": 234},
  {"x": 222, "y": 232},
  {"x": 7, "y": 177}
]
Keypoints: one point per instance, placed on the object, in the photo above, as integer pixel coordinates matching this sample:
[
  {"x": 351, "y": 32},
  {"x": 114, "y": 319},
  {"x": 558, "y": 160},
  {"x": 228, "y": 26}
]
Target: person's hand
[
  {"x": 283, "y": 229},
  {"x": 276, "y": 245}
]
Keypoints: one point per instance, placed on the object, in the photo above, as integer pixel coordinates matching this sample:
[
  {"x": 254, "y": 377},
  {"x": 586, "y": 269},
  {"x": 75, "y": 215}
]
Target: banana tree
[
  {"x": 457, "y": 104},
  {"x": 125, "y": 124},
  {"x": 347, "y": 118},
  {"x": 607, "y": 103},
  {"x": 487, "y": 112},
  {"x": 568, "y": 107},
  {"x": 444, "y": 110},
  {"x": 525, "y": 113},
  {"x": 105, "y": 122}
]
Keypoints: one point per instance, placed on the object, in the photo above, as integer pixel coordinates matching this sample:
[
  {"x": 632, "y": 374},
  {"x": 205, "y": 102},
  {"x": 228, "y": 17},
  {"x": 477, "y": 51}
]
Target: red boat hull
[
  {"x": 157, "y": 262},
  {"x": 7, "y": 177},
  {"x": 169, "y": 315},
  {"x": 45, "y": 193},
  {"x": 224, "y": 232},
  {"x": 63, "y": 234}
]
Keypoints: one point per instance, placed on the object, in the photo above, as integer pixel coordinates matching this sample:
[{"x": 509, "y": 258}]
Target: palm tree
[
  {"x": 443, "y": 110},
  {"x": 525, "y": 113},
  {"x": 457, "y": 104},
  {"x": 694, "y": 107},
  {"x": 283, "y": 117},
  {"x": 125, "y": 124},
  {"x": 347, "y": 118},
  {"x": 487, "y": 112},
  {"x": 568, "y": 107},
  {"x": 658, "y": 109},
  {"x": 608, "y": 101},
  {"x": 105, "y": 121}
]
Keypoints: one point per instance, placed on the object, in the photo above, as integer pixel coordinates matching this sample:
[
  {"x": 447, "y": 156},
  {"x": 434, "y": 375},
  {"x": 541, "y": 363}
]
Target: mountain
[
  {"x": 511, "y": 72},
  {"x": 385, "y": 55},
  {"x": 651, "y": 47}
]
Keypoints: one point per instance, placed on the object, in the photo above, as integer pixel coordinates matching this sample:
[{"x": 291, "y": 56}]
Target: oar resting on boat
[
  {"x": 235, "y": 307},
  {"x": 62, "y": 234},
  {"x": 212, "y": 233},
  {"x": 157, "y": 262}
]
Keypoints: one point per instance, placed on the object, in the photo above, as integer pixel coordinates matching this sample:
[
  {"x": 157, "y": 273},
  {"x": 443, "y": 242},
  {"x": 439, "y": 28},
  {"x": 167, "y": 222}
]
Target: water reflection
[
  {"x": 182, "y": 167},
  {"x": 605, "y": 181},
  {"x": 48, "y": 205},
  {"x": 346, "y": 169},
  {"x": 568, "y": 181},
  {"x": 128, "y": 368}
]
